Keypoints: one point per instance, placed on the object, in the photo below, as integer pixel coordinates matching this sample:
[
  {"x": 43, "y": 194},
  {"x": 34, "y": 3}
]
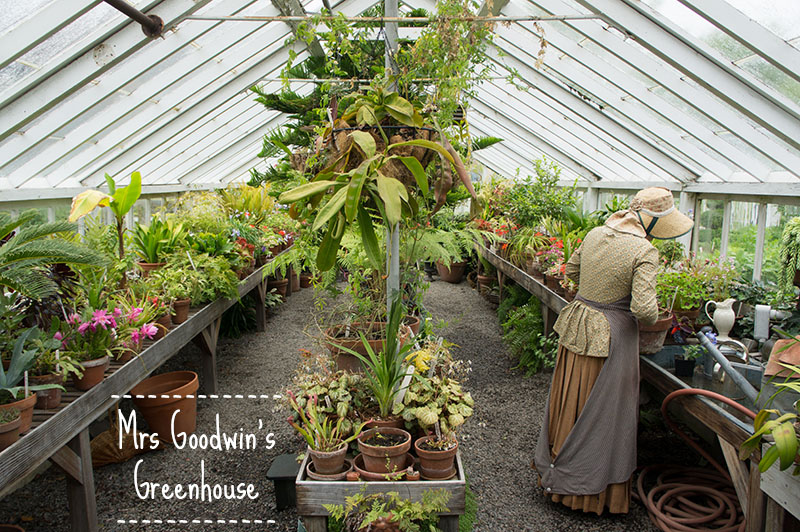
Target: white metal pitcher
[{"x": 723, "y": 317}]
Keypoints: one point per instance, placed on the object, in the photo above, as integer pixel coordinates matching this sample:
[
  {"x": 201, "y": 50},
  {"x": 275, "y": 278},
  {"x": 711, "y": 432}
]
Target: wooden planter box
[
  {"x": 782, "y": 487},
  {"x": 312, "y": 494}
]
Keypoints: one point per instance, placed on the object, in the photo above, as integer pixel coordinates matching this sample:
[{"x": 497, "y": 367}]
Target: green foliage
[
  {"x": 617, "y": 203},
  {"x": 8, "y": 415},
  {"x": 341, "y": 395},
  {"x": 360, "y": 510},
  {"x": 669, "y": 251},
  {"x": 513, "y": 296},
  {"x": 212, "y": 244},
  {"x": 21, "y": 361},
  {"x": 49, "y": 360},
  {"x": 177, "y": 283},
  {"x": 680, "y": 290},
  {"x": 693, "y": 351},
  {"x": 466, "y": 522},
  {"x": 436, "y": 400},
  {"x": 523, "y": 333},
  {"x": 154, "y": 242},
  {"x": 216, "y": 277},
  {"x": 26, "y": 250},
  {"x": 790, "y": 253},
  {"x": 780, "y": 427},
  {"x": 541, "y": 196},
  {"x": 319, "y": 430}
]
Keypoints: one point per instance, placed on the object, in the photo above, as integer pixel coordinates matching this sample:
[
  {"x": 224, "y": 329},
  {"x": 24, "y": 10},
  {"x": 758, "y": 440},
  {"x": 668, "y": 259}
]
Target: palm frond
[
  {"x": 7, "y": 224},
  {"x": 481, "y": 143},
  {"x": 34, "y": 232},
  {"x": 30, "y": 282},
  {"x": 53, "y": 250}
]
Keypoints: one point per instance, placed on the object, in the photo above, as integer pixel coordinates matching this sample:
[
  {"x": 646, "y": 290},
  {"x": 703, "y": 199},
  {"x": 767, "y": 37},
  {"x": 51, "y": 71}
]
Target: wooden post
[
  {"x": 500, "y": 282},
  {"x": 738, "y": 471},
  {"x": 207, "y": 340},
  {"x": 316, "y": 524},
  {"x": 755, "y": 501},
  {"x": 448, "y": 523},
  {"x": 75, "y": 459},
  {"x": 260, "y": 297}
]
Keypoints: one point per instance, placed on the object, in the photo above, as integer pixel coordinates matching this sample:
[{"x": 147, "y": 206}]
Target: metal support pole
[
  {"x": 152, "y": 25},
  {"x": 391, "y": 9}
]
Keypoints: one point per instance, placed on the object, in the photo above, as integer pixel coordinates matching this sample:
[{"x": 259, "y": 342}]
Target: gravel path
[{"x": 497, "y": 443}]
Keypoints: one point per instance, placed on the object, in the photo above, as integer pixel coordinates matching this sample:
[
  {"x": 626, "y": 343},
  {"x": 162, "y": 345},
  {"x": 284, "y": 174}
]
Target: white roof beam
[
  {"x": 633, "y": 87},
  {"x": 736, "y": 24},
  {"x": 589, "y": 117},
  {"x": 31, "y": 98},
  {"x": 294, "y": 7},
  {"x": 702, "y": 64},
  {"x": 212, "y": 157},
  {"x": 627, "y": 109},
  {"x": 582, "y": 137},
  {"x": 509, "y": 130},
  {"x": 147, "y": 94},
  {"x": 671, "y": 80},
  {"x": 534, "y": 121},
  {"x": 38, "y": 26}
]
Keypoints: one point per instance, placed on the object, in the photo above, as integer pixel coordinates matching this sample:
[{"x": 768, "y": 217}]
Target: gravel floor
[{"x": 497, "y": 443}]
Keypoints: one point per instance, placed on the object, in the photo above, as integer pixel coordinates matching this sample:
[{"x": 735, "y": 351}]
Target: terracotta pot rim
[
  {"x": 47, "y": 378},
  {"x": 153, "y": 386},
  {"x": 342, "y": 447},
  {"x": 394, "y": 449},
  {"x": 11, "y": 425},
  {"x": 95, "y": 362},
  {"x": 436, "y": 453}
]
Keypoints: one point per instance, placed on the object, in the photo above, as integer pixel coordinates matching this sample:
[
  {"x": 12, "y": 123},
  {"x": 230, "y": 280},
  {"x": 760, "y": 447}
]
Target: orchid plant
[{"x": 320, "y": 431}]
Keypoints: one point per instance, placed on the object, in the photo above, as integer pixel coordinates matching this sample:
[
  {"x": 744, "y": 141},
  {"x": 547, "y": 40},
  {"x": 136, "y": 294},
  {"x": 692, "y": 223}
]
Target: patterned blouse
[{"x": 608, "y": 266}]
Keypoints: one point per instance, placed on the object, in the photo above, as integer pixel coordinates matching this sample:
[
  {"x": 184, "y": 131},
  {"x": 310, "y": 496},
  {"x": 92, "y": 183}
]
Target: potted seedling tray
[{"x": 313, "y": 494}]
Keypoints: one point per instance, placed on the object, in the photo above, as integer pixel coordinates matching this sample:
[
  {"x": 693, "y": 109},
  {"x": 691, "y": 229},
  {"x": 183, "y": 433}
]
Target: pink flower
[
  {"x": 101, "y": 318},
  {"x": 117, "y": 312},
  {"x": 134, "y": 314},
  {"x": 149, "y": 330},
  {"x": 74, "y": 319},
  {"x": 83, "y": 326},
  {"x": 136, "y": 337},
  {"x": 58, "y": 335}
]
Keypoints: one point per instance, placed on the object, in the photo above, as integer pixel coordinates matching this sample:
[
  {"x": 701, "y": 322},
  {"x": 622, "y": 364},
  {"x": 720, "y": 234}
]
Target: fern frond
[
  {"x": 481, "y": 143},
  {"x": 29, "y": 282}
]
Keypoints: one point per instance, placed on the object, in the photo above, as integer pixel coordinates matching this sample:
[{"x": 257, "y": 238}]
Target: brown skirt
[{"x": 573, "y": 379}]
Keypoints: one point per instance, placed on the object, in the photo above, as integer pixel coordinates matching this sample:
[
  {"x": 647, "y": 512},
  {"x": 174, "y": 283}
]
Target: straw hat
[{"x": 652, "y": 212}]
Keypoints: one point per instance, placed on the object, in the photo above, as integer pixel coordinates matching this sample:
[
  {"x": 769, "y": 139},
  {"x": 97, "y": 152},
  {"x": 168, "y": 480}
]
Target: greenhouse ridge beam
[
  {"x": 731, "y": 84},
  {"x": 292, "y": 8},
  {"x": 736, "y": 24},
  {"x": 310, "y": 18}
]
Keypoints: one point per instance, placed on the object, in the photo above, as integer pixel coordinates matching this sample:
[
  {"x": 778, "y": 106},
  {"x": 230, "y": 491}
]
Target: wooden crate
[{"x": 313, "y": 494}]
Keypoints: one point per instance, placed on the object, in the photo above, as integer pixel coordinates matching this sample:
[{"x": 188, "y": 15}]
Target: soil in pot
[
  {"x": 47, "y": 399},
  {"x": 93, "y": 371},
  {"x": 651, "y": 337},
  {"x": 454, "y": 274},
  {"x": 180, "y": 309},
  {"x": 9, "y": 433},
  {"x": 158, "y": 411},
  {"x": 25, "y": 407},
  {"x": 384, "y": 449},
  {"x": 328, "y": 463},
  {"x": 436, "y": 463}
]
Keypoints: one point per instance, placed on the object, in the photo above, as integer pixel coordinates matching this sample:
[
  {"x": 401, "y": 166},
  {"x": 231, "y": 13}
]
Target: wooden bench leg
[
  {"x": 316, "y": 524},
  {"x": 756, "y": 501},
  {"x": 740, "y": 475},
  {"x": 775, "y": 516},
  {"x": 448, "y": 523},
  {"x": 549, "y": 318},
  {"x": 501, "y": 278},
  {"x": 207, "y": 340},
  {"x": 260, "y": 297},
  {"x": 75, "y": 459}
]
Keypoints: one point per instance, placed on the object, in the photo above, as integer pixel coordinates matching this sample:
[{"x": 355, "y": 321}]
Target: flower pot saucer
[
  {"x": 348, "y": 466},
  {"x": 450, "y": 476},
  {"x": 358, "y": 464}
]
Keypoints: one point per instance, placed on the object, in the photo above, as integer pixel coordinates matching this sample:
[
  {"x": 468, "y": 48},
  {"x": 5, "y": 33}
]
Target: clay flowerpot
[
  {"x": 162, "y": 324},
  {"x": 280, "y": 286},
  {"x": 305, "y": 280},
  {"x": 454, "y": 274},
  {"x": 413, "y": 323},
  {"x": 148, "y": 267},
  {"x": 335, "y": 338},
  {"x": 691, "y": 315},
  {"x": 435, "y": 464},
  {"x": 651, "y": 337},
  {"x": 485, "y": 283},
  {"x": 93, "y": 371},
  {"x": 158, "y": 410},
  {"x": 295, "y": 282},
  {"x": 47, "y": 399},
  {"x": 389, "y": 458},
  {"x": 11, "y": 528},
  {"x": 25, "y": 407},
  {"x": 328, "y": 463},
  {"x": 552, "y": 282},
  {"x": 9, "y": 433},
  {"x": 472, "y": 279},
  {"x": 180, "y": 309},
  {"x": 395, "y": 422}
]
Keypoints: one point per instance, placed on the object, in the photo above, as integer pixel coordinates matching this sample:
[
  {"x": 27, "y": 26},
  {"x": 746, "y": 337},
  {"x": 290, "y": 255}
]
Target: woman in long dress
[{"x": 586, "y": 452}]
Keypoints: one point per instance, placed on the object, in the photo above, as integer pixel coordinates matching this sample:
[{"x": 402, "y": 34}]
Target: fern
[
  {"x": 523, "y": 332},
  {"x": 481, "y": 143}
]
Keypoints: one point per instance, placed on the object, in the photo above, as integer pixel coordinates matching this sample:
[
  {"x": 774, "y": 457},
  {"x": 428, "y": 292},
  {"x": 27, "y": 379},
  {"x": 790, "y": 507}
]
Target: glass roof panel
[
  {"x": 56, "y": 43},
  {"x": 16, "y": 10}
]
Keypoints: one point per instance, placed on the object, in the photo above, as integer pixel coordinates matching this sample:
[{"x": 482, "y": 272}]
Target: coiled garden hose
[{"x": 687, "y": 499}]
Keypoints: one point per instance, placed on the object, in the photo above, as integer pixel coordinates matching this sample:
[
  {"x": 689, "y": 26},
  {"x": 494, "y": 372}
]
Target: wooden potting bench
[
  {"x": 762, "y": 512},
  {"x": 313, "y": 494},
  {"x": 62, "y": 434}
]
